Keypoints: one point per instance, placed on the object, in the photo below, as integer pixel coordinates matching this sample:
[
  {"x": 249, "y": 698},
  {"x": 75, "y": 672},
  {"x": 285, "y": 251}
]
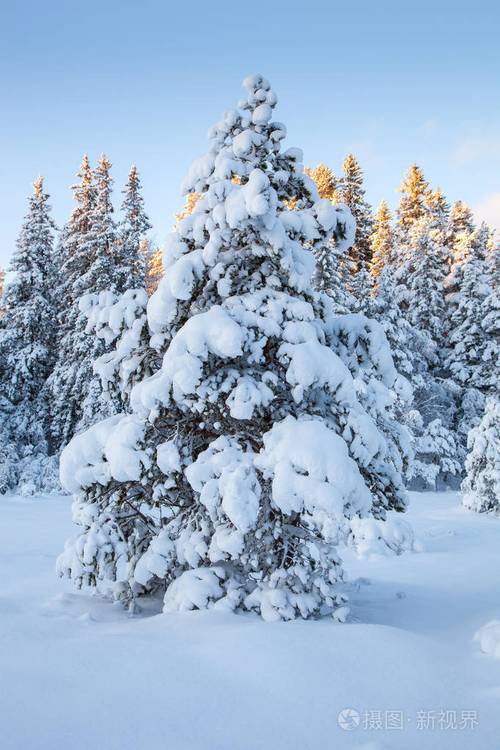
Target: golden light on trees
[{"x": 325, "y": 181}]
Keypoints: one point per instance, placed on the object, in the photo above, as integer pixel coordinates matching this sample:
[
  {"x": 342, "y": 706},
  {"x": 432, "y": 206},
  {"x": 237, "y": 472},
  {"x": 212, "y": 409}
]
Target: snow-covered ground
[{"x": 78, "y": 672}]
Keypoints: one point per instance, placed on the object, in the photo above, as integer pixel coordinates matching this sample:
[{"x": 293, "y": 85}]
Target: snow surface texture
[{"x": 218, "y": 681}]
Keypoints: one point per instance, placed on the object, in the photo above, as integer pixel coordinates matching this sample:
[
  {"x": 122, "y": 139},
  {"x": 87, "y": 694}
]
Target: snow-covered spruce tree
[
  {"x": 27, "y": 333},
  {"x": 414, "y": 353},
  {"x": 461, "y": 220},
  {"x": 332, "y": 265},
  {"x": 473, "y": 327},
  {"x": 422, "y": 275},
  {"x": 350, "y": 191},
  {"x": 467, "y": 246},
  {"x": 382, "y": 241},
  {"x": 73, "y": 256},
  {"x": 409, "y": 347},
  {"x": 413, "y": 202},
  {"x": 131, "y": 260},
  {"x": 467, "y": 339},
  {"x": 362, "y": 289},
  {"x": 89, "y": 265},
  {"x": 384, "y": 393},
  {"x": 120, "y": 321},
  {"x": 481, "y": 486},
  {"x": 329, "y": 276},
  {"x": 437, "y": 458},
  {"x": 248, "y": 451},
  {"x": 103, "y": 268}
]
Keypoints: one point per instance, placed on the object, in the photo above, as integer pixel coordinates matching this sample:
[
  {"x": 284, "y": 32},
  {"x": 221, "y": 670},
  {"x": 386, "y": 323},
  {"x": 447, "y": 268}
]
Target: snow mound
[{"x": 372, "y": 536}]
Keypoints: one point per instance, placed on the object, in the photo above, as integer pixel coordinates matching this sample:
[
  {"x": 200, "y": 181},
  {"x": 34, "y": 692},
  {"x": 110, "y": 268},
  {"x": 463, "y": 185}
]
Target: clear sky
[{"x": 393, "y": 82}]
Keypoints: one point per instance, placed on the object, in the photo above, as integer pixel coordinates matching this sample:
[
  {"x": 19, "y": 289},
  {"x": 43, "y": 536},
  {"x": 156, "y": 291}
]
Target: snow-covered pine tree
[
  {"x": 99, "y": 245},
  {"x": 481, "y": 486},
  {"x": 132, "y": 230},
  {"x": 411, "y": 348},
  {"x": 413, "y": 202},
  {"x": 350, "y": 191},
  {"x": 422, "y": 275},
  {"x": 27, "y": 335},
  {"x": 330, "y": 274},
  {"x": 333, "y": 264},
  {"x": 382, "y": 241},
  {"x": 472, "y": 352},
  {"x": 248, "y": 451},
  {"x": 384, "y": 393},
  {"x": 414, "y": 354},
  {"x": 468, "y": 245},
  {"x": 461, "y": 220},
  {"x": 88, "y": 260},
  {"x": 362, "y": 289},
  {"x": 438, "y": 206},
  {"x": 468, "y": 341},
  {"x": 436, "y": 454},
  {"x": 73, "y": 258}
]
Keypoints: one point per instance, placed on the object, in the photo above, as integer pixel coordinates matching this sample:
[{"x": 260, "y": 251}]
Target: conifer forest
[{"x": 250, "y": 470}]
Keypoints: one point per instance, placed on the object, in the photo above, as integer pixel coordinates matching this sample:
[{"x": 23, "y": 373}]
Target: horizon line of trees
[{"x": 429, "y": 276}]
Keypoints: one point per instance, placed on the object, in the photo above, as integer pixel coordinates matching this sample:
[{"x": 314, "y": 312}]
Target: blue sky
[{"x": 393, "y": 82}]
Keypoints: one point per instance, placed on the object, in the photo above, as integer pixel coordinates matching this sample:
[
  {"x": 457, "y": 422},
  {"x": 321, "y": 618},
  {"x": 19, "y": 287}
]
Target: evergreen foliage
[
  {"x": 132, "y": 230},
  {"x": 89, "y": 263},
  {"x": 351, "y": 192},
  {"x": 481, "y": 486},
  {"x": 325, "y": 182},
  {"x": 248, "y": 450},
  {"x": 27, "y": 342},
  {"x": 413, "y": 203},
  {"x": 382, "y": 241}
]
